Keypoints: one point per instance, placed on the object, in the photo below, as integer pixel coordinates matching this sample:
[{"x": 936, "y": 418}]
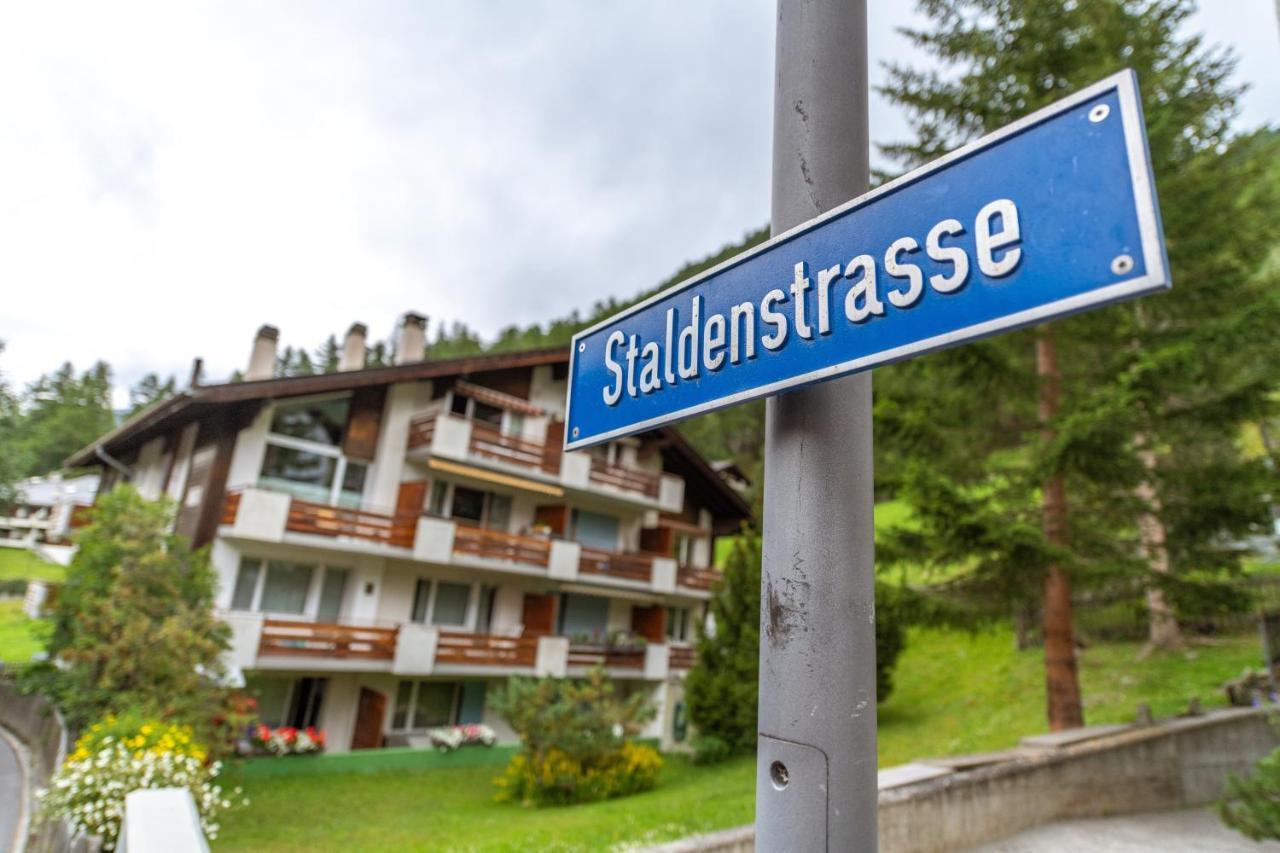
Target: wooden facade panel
[
  {"x": 554, "y": 516},
  {"x": 539, "y": 615},
  {"x": 411, "y": 498},
  {"x": 650, "y": 622},
  {"x": 658, "y": 540},
  {"x": 363, "y": 420}
]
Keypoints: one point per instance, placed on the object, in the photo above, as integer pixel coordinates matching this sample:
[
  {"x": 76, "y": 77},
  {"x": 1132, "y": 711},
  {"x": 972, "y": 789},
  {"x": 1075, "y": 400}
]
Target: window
[
  {"x": 246, "y": 585},
  {"x": 470, "y": 506},
  {"x": 683, "y": 549},
  {"x": 584, "y": 615},
  {"x": 288, "y": 701},
  {"x": 304, "y": 454},
  {"x": 451, "y": 604},
  {"x": 285, "y": 590},
  {"x": 426, "y": 704},
  {"x": 300, "y": 589},
  {"x": 678, "y": 624},
  {"x": 515, "y": 424},
  {"x": 448, "y": 603},
  {"x": 595, "y": 530}
]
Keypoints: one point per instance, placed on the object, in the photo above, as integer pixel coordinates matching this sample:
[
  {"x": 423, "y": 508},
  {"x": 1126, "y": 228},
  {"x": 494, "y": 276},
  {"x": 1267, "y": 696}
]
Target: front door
[{"x": 369, "y": 717}]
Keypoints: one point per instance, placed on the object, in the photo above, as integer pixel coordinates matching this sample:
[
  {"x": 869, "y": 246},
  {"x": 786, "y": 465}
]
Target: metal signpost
[{"x": 1051, "y": 215}]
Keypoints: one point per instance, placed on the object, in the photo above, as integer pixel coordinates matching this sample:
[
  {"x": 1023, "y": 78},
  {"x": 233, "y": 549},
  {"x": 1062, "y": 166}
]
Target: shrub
[
  {"x": 447, "y": 738},
  {"x": 555, "y": 778},
  {"x": 1252, "y": 806},
  {"x": 111, "y": 759},
  {"x": 139, "y": 735},
  {"x": 573, "y": 741},
  {"x": 709, "y": 749}
]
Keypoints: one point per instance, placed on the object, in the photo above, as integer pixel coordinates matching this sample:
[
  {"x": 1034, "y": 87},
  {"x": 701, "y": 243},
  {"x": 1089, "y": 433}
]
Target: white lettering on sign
[{"x": 712, "y": 342}]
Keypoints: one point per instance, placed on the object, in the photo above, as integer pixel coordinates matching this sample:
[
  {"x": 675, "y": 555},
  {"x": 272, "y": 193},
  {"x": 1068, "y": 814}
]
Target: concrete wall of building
[
  {"x": 547, "y": 393},
  {"x": 250, "y": 449},
  {"x": 404, "y": 401},
  {"x": 148, "y": 470}
]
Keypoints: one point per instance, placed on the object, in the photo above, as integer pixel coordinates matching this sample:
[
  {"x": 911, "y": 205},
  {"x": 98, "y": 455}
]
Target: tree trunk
[
  {"x": 1061, "y": 679},
  {"x": 1163, "y": 631}
]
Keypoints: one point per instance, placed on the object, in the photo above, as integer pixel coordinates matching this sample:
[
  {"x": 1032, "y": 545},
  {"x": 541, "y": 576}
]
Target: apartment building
[
  {"x": 392, "y": 543},
  {"x": 45, "y": 510}
]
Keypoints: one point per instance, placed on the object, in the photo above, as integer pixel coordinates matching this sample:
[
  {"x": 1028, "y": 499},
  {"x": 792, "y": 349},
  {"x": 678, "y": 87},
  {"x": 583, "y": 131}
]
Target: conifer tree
[{"x": 1037, "y": 457}]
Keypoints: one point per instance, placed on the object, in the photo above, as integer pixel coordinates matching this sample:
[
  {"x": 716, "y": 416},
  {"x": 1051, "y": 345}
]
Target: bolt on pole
[{"x": 816, "y": 765}]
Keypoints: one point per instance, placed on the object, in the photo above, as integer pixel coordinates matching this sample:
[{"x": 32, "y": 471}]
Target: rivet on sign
[
  {"x": 779, "y": 774},
  {"x": 575, "y": 432},
  {"x": 1098, "y": 113},
  {"x": 582, "y": 347},
  {"x": 1121, "y": 264}
]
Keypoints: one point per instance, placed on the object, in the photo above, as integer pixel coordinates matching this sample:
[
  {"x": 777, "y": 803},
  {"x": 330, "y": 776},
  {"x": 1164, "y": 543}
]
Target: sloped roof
[{"x": 202, "y": 401}]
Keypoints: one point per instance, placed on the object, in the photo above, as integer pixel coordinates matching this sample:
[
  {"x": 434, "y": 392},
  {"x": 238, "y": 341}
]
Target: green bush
[
  {"x": 709, "y": 749},
  {"x": 573, "y": 741},
  {"x": 553, "y": 778},
  {"x": 1252, "y": 806}
]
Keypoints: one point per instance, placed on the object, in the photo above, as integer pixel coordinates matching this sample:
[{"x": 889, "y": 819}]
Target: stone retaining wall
[{"x": 957, "y": 803}]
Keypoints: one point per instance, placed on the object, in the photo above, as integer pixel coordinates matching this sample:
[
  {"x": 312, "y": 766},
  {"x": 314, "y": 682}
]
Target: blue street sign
[{"x": 1051, "y": 215}]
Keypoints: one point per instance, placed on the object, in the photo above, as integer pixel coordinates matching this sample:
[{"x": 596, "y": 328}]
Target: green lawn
[
  {"x": 20, "y": 564},
  {"x": 20, "y": 637},
  {"x": 956, "y": 693}
]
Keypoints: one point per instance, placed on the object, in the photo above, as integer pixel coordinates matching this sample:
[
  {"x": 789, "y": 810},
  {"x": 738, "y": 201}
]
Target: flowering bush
[
  {"x": 447, "y": 738},
  {"x": 89, "y": 789},
  {"x": 139, "y": 735},
  {"x": 556, "y": 778},
  {"x": 288, "y": 740}
]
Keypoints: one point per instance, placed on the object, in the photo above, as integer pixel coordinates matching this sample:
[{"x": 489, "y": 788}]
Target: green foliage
[
  {"x": 1252, "y": 806},
  {"x": 556, "y": 779},
  {"x": 134, "y": 628},
  {"x": 573, "y": 740},
  {"x": 149, "y": 390},
  {"x": 722, "y": 688},
  {"x": 13, "y": 457},
  {"x": 61, "y": 413},
  {"x": 1176, "y": 376}
]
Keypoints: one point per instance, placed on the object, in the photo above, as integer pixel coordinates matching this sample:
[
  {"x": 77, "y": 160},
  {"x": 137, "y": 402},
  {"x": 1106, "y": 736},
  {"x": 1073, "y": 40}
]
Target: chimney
[
  {"x": 262, "y": 361},
  {"x": 353, "y": 348},
  {"x": 411, "y": 343}
]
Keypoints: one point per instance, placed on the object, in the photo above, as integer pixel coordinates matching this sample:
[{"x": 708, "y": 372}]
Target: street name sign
[{"x": 1051, "y": 215}]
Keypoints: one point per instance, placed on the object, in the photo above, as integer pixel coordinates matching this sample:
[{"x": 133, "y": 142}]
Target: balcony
[
  {"x": 261, "y": 514},
  {"x": 647, "y": 483},
  {"x": 260, "y": 642},
  {"x": 694, "y": 578},
  {"x": 632, "y": 567},
  {"x": 461, "y": 648},
  {"x": 681, "y": 657},
  {"x": 496, "y": 545},
  {"x": 450, "y": 437},
  {"x": 315, "y": 639}
]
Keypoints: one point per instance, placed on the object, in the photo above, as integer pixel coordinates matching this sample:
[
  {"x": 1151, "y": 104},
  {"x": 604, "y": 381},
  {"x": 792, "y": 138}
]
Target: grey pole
[{"x": 816, "y": 766}]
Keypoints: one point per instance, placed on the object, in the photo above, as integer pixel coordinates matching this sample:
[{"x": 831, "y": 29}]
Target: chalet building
[
  {"x": 393, "y": 542},
  {"x": 45, "y": 511}
]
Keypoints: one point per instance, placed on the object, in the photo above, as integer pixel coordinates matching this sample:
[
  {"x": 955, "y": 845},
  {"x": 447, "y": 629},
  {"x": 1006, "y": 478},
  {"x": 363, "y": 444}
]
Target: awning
[
  {"x": 510, "y": 402},
  {"x": 437, "y": 464}
]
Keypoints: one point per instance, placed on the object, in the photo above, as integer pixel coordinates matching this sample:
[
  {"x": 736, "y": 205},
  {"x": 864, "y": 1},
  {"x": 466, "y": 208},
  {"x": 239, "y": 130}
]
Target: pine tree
[
  {"x": 134, "y": 626},
  {"x": 328, "y": 355},
  {"x": 150, "y": 389},
  {"x": 1036, "y": 472},
  {"x": 63, "y": 412}
]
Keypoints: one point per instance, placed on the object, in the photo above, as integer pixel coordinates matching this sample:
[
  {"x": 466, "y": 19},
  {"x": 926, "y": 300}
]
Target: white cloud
[{"x": 172, "y": 175}]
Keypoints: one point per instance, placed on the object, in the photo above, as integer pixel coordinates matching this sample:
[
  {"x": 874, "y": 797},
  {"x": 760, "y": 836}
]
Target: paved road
[
  {"x": 1194, "y": 831},
  {"x": 12, "y": 792}
]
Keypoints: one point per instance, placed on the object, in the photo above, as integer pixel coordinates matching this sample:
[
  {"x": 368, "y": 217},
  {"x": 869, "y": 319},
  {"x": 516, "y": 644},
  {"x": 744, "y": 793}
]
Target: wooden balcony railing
[
  {"x": 496, "y": 545},
  {"x": 488, "y": 441},
  {"x": 421, "y": 430},
  {"x": 635, "y": 567},
  {"x": 627, "y": 479},
  {"x": 316, "y": 639},
  {"x": 396, "y": 530},
  {"x": 588, "y": 656},
  {"x": 692, "y": 578},
  {"x": 681, "y": 657},
  {"x": 457, "y": 647}
]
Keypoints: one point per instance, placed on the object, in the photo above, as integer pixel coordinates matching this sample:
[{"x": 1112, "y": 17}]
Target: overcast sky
[{"x": 174, "y": 175}]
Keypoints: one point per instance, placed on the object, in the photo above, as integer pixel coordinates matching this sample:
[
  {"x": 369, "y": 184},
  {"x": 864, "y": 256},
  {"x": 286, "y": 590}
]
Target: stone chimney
[
  {"x": 411, "y": 342},
  {"x": 353, "y": 348},
  {"x": 262, "y": 361}
]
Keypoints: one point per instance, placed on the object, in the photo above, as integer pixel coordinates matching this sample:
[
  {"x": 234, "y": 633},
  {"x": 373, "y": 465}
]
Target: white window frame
[
  {"x": 311, "y": 609},
  {"x": 319, "y": 449},
  {"x": 470, "y": 413},
  {"x": 685, "y": 627}
]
